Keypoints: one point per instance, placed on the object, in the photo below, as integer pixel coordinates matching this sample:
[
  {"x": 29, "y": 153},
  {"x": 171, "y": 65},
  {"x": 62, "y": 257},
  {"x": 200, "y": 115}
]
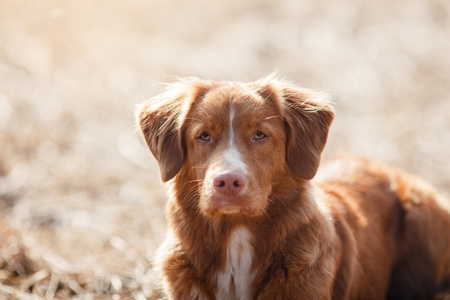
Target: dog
[{"x": 246, "y": 220}]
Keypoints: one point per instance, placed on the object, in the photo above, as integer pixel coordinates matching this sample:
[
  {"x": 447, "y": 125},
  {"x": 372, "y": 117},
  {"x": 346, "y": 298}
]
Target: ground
[{"x": 81, "y": 202}]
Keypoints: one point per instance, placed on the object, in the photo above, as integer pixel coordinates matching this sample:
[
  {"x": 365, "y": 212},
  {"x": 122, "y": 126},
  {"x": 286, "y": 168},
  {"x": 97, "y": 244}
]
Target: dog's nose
[{"x": 230, "y": 183}]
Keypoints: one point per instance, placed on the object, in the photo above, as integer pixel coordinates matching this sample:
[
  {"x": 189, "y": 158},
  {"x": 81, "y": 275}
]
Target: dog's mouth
[
  {"x": 228, "y": 209},
  {"x": 215, "y": 205}
]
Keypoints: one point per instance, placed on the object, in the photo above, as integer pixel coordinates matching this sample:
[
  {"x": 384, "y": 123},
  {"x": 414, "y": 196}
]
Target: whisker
[
  {"x": 194, "y": 119},
  {"x": 201, "y": 167},
  {"x": 204, "y": 111},
  {"x": 271, "y": 117}
]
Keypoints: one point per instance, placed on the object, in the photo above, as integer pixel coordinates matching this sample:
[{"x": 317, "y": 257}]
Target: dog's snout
[{"x": 230, "y": 183}]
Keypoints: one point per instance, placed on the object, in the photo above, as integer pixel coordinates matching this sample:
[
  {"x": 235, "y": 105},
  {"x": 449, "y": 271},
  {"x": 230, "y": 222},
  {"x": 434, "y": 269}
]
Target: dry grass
[{"x": 81, "y": 202}]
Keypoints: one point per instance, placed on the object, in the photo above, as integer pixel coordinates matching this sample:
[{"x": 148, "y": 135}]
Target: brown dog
[{"x": 246, "y": 221}]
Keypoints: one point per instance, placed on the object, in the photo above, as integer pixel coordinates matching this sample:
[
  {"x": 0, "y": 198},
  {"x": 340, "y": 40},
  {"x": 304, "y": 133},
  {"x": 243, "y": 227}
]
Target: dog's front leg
[
  {"x": 310, "y": 283},
  {"x": 182, "y": 282}
]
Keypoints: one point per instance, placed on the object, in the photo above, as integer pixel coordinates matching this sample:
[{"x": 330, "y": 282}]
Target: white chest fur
[{"x": 235, "y": 281}]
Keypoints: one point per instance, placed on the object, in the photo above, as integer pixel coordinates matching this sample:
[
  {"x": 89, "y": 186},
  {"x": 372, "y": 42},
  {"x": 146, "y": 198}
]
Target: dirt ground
[{"x": 81, "y": 202}]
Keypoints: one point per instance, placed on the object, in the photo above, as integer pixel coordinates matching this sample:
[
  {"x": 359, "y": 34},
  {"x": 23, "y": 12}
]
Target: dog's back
[{"x": 400, "y": 225}]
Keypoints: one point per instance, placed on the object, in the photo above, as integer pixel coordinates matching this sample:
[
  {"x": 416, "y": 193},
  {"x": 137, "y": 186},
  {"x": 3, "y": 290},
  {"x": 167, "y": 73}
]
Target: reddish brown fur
[{"x": 368, "y": 232}]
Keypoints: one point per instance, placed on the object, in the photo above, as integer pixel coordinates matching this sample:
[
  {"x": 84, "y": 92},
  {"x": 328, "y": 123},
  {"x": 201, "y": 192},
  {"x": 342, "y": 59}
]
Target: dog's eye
[
  {"x": 259, "y": 136},
  {"x": 205, "y": 137}
]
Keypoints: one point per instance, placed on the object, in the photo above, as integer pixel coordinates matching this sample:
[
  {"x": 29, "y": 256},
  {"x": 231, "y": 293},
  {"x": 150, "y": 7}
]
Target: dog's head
[{"x": 235, "y": 140}]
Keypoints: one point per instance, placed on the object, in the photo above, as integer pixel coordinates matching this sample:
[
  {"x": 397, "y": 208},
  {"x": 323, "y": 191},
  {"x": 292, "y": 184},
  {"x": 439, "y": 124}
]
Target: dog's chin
[{"x": 217, "y": 205}]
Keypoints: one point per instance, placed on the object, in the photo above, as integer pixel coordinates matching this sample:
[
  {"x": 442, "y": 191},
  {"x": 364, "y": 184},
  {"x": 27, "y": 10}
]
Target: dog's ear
[
  {"x": 307, "y": 116},
  {"x": 160, "y": 121}
]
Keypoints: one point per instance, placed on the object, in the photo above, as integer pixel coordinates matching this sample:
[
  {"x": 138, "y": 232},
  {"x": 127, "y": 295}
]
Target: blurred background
[{"x": 81, "y": 202}]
